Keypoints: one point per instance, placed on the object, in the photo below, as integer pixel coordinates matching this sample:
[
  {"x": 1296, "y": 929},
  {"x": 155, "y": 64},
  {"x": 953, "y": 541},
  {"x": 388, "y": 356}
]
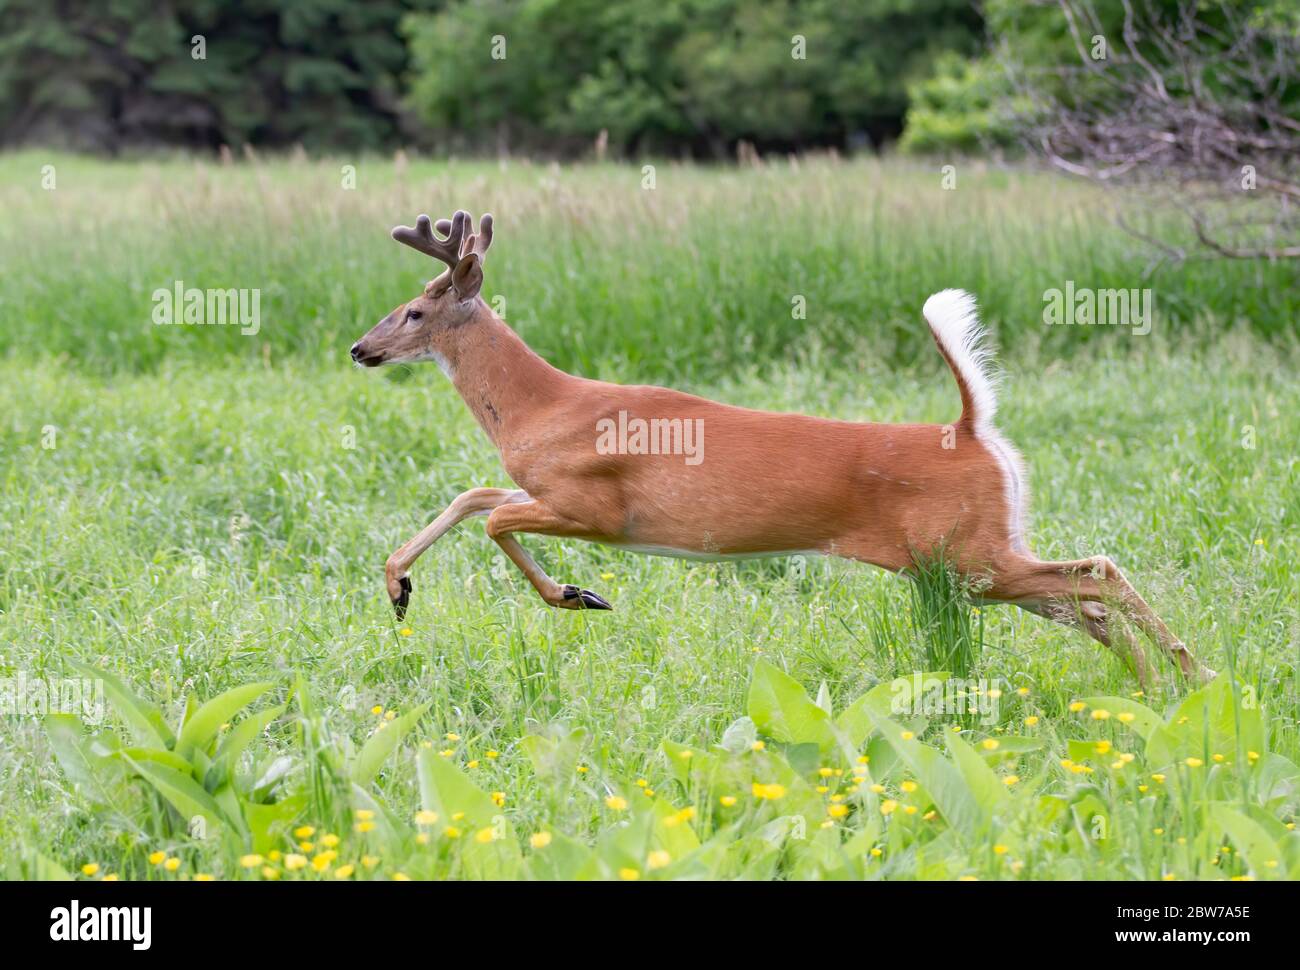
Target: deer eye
[{"x": 413, "y": 314}]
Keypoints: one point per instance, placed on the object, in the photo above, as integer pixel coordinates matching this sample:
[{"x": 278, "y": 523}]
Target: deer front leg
[
  {"x": 477, "y": 501},
  {"x": 533, "y": 516}
]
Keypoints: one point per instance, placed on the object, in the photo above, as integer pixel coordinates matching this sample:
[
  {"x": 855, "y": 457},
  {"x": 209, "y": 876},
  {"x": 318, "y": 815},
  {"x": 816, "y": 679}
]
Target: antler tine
[
  {"x": 422, "y": 239},
  {"x": 479, "y": 242}
]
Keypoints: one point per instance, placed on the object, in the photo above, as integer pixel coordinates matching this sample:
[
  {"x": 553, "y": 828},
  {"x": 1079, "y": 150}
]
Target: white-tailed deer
[{"x": 768, "y": 484}]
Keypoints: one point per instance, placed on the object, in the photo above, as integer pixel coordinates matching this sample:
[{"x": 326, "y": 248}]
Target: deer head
[{"x": 423, "y": 328}]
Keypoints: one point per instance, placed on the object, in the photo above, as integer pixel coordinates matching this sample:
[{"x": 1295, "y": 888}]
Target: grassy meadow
[{"x": 197, "y": 521}]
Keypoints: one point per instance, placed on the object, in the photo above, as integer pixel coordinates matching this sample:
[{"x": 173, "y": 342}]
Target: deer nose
[{"x": 356, "y": 351}]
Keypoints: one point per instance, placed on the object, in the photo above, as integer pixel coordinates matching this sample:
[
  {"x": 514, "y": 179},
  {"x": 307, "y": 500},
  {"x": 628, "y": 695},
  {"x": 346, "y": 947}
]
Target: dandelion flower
[
  {"x": 484, "y": 836},
  {"x": 1010, "y": 780},
  {"x": 727, "y": 801},
  {"x": 157, "y": 858},
  {"x": 270, "y": 872},
  {"x": 1031, "y": 720},
  {"x": 658, "y": 859},
  {"x": 540, "y": 840},
  {"x": 329, "y": 840},
  {"x": 616, "y": 803},
  {"x": 758, "y": 745},
  {"x": 1158, "y": 779},
  {"x": 907, "y": 735},
  {"x": 1126, "y": 717},
  {"x": 887, "y": 806},
  {"x": 990, "y": 744},
  {"x": 364, "y": 814},
  {"x": 1022, "y": 691},
  {"x": 294, "y": 861},
  {"x": 770, "y": 792},
  {"x": 343, "y": 872},
  {"x": 1000, "y": 850},
  {"x": 498, "y": 798},
  {"x": 303, "y": 832},
  {"x": 1100, "y": 714},
  {"x": 908, "y": 786},
  {"x": 172, "y": 864},
  {"x": 1077, "y": 706},
  {"x": 837, "y": 811},
  {"x": 628, "y": 874},
  {"x": 1193, "y": 762},
  {"x": 493, "y": 754},
  {"x": 451, "y": 832},
  {"x": 250, "y": 861},
  {"x": 364, "y": 827},
  {"x": 90, "y": 868}
]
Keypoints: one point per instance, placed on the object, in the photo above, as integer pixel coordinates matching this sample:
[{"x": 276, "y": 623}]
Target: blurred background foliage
[{"x": 677, "y": 77}]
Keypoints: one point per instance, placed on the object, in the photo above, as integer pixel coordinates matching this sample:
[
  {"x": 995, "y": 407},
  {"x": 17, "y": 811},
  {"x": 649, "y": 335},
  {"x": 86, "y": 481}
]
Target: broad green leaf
[
  {"x": 445, "y": 789},
  {"x": 204, "y": 723},
  {"x": 382, "y": 743},
  {"x": 824, "y": 699},
  {"x": 781, "y": 709},
  {"x": 940, "y": 778},
  {"x": 233, "y": 744},
  {"x": 558, "y": 861},
  {"x": 162, "y": 756},
  {"x": 72, "y": 749},
  {"x": 1209, "y": 721},
  {"x": 1144, "y": 720},
  {"x": 268, "y": 823},
  {"x": 145, "y": 720},
  {"x": 184, "y": 794},
  {"x": 740, "y": 735},
  {"x": 984, "y": 785},
  {"x": 892, "y": 698},
  {"x": 1262, "y": 854}
]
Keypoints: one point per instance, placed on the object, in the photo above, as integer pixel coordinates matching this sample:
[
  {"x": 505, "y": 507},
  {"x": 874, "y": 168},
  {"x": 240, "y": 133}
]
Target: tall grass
[{"x": 706, "y": 274}]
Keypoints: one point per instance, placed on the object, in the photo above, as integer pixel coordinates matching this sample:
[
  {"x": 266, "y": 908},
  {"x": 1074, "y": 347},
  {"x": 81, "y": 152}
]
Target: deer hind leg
[
  {"x": 477, "y": 501},
  {"x": 1102, "y": 624},
  {"x": 1094, "y": 580},
  {"x": 534, "y": 517}
]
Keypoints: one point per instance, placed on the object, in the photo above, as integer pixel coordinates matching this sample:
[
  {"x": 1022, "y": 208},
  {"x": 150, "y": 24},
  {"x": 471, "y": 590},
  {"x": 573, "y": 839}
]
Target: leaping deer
[{"x": 770, "y": 484}]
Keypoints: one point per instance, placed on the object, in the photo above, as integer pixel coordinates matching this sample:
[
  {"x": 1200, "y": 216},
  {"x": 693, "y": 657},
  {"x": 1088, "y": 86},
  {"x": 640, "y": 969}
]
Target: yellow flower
[
  {"x": 876, "y": 853},
  {"x": 770, "y": 792},
  {"x": 878, "y": 788},
  {"x": 727, "y": 800},
  {"x": 989, "y": 744},
  {"x": 825, "y": 772},
  {"x": 452, "y": 736},
  {"x": 1031, "y": 720},
  {"x": 678, "y": 817},
  {"x": 457, "y": 816},
  {"x": 90, "y": 868},
  {"x": 203, "y": 877},
  {"x": 250, "y": 861},
  {"x": 1158, "y": 779},
  {"x": 270, "y": 872},
  {"x": 888, "y": 806},
  {"x": 157, "y": 858},
  {"x": 421, "y": 838},
  {"x": 1158, "y": 831},
  {"x": 822, "y": 789},
  {"x": 909, "y": 809},
  {"x": 1126, "y": 717},
  {"x": 484, "y": 836},
  {"x": 641, "y": 783},
  {"x": 370, "y": 861},
  {"x": 1252, "y": 756},
  {"x": 1218, "y": 758},
  {"x": 582, "y": 769},
  {"x": 1067, "y": 763},
  {"x": 172, "y": 864},
  {"x": 1100, "y": 714},
  {"x": 451, "y": 832},
  {"x": 864, "y": 759},
  {"x": 498, "y": 798},
  {"x": 1101, "y": 747},
  {"x": 837, "y": 811},
  {"x": 306, "y": 846},
  {"x": 329, "y": 841},
  {"x": 471, "y": 764},
  {"x": 1077, "y": 706},
  {"x": 377, "y": 709},
  {"x": 389, "y": 715},
  {"x": 1193, "y": 762},
  {"x": 1010, "y": 780},
  {"x": 273, "y": 855},
  {"x": 493, "y": 754},
  {"x": 321, "y": 861},
  {"x": 303, "y": 832},
  {"x": 343, "y": 872},
  {"x": 907, "y": 735},
  {"x": 1022, "y": 691},
  {"x": 628, "y": 874},
  {"x": 364, "y": 814},
  {"x": 401, "y": 877},
  {"x": 540, "y": 840},
  {"x": 930, "y": 816},
  {"x": 293, "y": 861},
  {"x": 685, "y": 755},
  {"x": 606, "y": 575},
  {"x": 406, "y": 631},
  {"x": 758, "y": 745},
  {"x": 425, "y": 817},
  {"x": 616, "y": 803},
  {"x": 1000, "y": 850},
  {"x": 364, "y": 827},
  {"x": 658, "y": 859}
]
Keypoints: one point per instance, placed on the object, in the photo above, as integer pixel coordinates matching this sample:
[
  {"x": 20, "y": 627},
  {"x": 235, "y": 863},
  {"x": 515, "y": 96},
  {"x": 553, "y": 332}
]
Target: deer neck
[{"x": 499, "y": 376}]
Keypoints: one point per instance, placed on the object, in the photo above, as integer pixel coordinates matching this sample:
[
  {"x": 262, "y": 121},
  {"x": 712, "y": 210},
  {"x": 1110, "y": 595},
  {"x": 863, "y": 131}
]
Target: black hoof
[
  {"x": 587, "y": 600},
  {"x": 400, "y": 604}
]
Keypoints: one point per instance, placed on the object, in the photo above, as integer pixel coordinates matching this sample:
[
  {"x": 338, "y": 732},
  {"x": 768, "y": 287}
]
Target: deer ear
[{"x": 467, "y": 277}]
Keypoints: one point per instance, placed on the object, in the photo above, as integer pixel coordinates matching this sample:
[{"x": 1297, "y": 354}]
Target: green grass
[{"x": 215, "y": 510}]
